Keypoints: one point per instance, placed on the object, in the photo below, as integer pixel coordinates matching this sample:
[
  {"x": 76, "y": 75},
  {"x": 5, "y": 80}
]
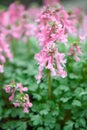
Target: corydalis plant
[
  {"x": 54, "y": 26},
  {"x": 18, "y": 97}
]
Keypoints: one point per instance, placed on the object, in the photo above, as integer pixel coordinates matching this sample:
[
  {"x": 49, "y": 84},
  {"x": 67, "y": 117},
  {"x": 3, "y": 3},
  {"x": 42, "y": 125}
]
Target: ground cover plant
[{"x": 43, "y": 68}]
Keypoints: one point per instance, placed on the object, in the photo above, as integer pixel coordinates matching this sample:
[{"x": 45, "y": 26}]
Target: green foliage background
[{"x": 67, "y": 107}]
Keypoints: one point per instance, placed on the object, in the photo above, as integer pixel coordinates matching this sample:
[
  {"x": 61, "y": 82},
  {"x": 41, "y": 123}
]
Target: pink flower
[
  {"x": 21, "y": 88},
  {"x": 2, "y": 58},
  {"x": 5, "y": 47},
  {"x": 26, "y": 110},
  {"x": 11, "y": 98},
  {"x": 75, "y": 50},
  {"x": 77, "y": 58},
  {"x": 16, "y": 104},
  {"x": 30, "y": 105},
  {"x": 27, "y": 103},
  {"x": 7, "y": 89},
  {"x": 18, "y": 97},
  {"x": 39, "y": 76}
]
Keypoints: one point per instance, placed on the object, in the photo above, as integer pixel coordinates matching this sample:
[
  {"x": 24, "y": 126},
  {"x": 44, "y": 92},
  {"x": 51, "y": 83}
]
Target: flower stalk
[{"x": 49, "y": 86}]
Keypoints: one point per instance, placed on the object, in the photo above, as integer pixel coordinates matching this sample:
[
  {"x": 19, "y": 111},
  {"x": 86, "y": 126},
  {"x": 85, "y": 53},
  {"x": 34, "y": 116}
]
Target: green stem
[{"x": 49, "y": 85}]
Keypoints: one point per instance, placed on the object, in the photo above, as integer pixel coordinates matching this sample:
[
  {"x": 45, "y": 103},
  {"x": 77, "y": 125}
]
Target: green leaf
[
  {"x": 57, "y": 127},
  {"x": 76, "y": 103},
  {"x": 7, "y": 112},
  {"x": 36, "y": 119},
  {"x": 40, "y": 128},
  {"x": 17, "y": 112},
  {"x": 64, "y": 88},
  {"x": 63, "y": 99},
  {"x": 83, "y": 93},
  {"x": 82, "y": 122},
  {"x": 37, "y": 96},
  {"x": 43, "y": 112},
  {"x": 22, "y": 126},
  {"x": 69, "y": 126},
  {"x": 73, "y": 76}
]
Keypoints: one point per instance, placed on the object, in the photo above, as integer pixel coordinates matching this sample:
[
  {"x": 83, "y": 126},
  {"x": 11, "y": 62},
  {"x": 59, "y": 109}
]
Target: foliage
[{"x": 67, "y": 107}]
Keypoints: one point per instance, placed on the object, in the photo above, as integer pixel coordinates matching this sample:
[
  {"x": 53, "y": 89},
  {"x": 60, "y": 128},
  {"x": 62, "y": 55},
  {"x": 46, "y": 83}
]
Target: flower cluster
[
  {"x": 18, "y": 97},
  {"x": 83, "y": 30},
  {"x": 4, "y": 50},
  {"x": 79, "y": 18},
  {"x": 54, "y": 26},
  {"x": 75, "y": 51},
  {"x": 14, "y": 24},
  {"x": 50, "y": 58},
  {"x": 49, "y": 28}
]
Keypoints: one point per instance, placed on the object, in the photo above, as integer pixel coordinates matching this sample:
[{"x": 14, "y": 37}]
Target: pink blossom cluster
[
  {"x": 50, "y": 58},
  {"x": 75, "y": 51},
  {"x": 76, "y": 16},
  {"x": 4, "y": 51},
  {"x": 83, "y": 29},
  {"x": 18, "y": 97},
  {"x": 54, "y": 26},
  {"x": 75, "y": 21},
  {"x": 14, "y": 24},
  {"x": 79, "y": 18}
]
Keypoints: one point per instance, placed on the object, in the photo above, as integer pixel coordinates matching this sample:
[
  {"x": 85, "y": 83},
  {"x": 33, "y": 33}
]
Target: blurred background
[{"x": 69, "y": 4}]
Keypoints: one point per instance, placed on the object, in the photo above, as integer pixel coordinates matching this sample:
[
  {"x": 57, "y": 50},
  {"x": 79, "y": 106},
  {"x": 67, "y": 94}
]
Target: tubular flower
[
  {"x": 18, "y": 97},
  {"x": 50, "y": 58},
  {"x": 75, "y": 50},
  {"x": 50, "y": 29}
]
